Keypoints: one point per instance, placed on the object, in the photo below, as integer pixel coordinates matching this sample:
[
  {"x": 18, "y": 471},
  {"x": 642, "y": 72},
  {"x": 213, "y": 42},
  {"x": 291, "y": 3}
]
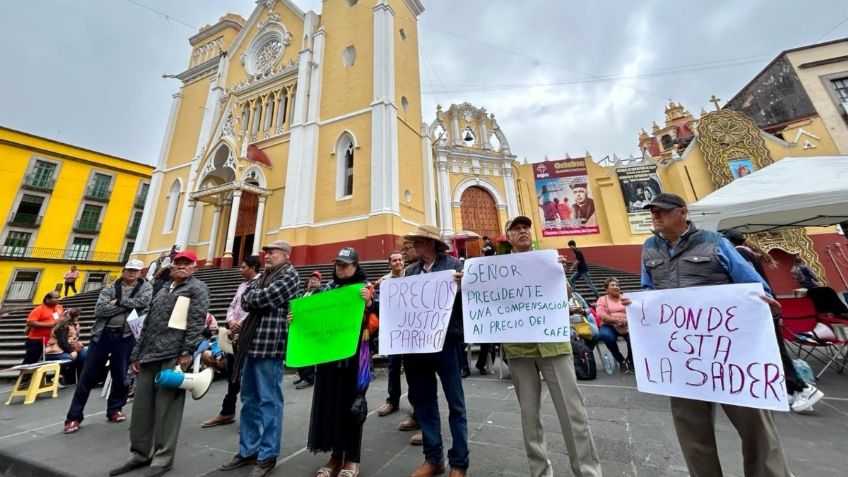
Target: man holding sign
[
  {"x": 681, "y": 256},
  {"x": 554, "y": 361},
  {"x": 422, "y": 369}
]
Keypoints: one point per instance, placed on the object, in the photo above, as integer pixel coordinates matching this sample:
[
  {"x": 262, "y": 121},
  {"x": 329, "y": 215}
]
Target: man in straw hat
[
  {"x": 423, "y": 368},
  {"x": 259, "y": 361}
]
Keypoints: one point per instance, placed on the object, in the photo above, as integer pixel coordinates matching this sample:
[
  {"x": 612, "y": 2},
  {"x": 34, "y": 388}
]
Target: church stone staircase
[{"x": 222, "y": 285}]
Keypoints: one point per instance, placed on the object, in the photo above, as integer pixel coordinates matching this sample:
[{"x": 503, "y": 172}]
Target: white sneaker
[
  {"x": 790, "y": 399},
  {"x": 805, "y": 399}
]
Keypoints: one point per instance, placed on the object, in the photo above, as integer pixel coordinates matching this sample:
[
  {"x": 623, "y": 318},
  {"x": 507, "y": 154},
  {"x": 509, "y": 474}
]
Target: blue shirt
[{"x": 734, "y": 264}]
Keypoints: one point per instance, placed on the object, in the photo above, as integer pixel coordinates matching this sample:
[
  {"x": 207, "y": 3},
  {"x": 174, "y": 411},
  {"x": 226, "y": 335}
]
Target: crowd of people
[{"x": 174, "y": 307}]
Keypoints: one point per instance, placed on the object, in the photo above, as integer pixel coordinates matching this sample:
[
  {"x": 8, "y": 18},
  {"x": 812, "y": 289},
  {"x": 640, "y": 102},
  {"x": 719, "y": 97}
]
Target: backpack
[{"x": 584, "y": 361}]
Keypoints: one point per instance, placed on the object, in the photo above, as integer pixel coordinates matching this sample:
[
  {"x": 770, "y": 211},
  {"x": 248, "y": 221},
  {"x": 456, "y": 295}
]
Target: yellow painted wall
[
  {"x": 62, "y": 206},
  {"x": 326, "y": 205},
  {"x": 817, "y": 87},
  {"x": 347, "y": 89}
]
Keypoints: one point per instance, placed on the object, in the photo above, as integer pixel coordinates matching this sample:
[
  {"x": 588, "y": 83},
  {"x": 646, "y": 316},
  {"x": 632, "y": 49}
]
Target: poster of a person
[{"x": 740, "y": 167}]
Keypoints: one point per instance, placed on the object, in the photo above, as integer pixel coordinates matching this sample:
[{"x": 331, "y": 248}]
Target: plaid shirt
[{"x": 271, "y": 305}]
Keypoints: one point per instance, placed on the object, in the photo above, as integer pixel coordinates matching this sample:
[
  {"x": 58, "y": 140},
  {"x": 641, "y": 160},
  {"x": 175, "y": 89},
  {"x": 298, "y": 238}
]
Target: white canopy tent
[{"x": 793, "y": 192}]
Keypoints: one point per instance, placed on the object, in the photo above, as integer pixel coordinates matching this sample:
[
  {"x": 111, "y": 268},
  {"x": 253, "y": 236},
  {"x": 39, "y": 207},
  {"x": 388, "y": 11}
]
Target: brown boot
[
  {"x": 417, "y": 439},
  {"x": 409, "y": 424},
  {"x": 428, "y": 469},
  {"x": 218, "y": 420}
]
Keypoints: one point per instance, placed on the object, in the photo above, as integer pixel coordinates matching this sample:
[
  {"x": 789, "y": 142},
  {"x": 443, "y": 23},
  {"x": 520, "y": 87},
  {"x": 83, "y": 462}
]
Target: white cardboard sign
[
  {"x": 712, "y": 343},
  {"x": 415, "y": 312},
  {"x": 515, "y": 298}
]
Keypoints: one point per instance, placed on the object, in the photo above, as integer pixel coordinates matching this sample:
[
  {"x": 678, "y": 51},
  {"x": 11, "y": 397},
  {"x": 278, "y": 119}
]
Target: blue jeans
[
  {"x": 609, "y": 335},
  {"x": 261, "y": 408},
  {"x": 115, "y": 350},
  {"x": 586, "y": 278},
  {"x": 422, "y": 370}
]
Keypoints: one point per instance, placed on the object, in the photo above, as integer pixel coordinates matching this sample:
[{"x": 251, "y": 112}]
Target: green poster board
[{"x": 325, "y": 327}]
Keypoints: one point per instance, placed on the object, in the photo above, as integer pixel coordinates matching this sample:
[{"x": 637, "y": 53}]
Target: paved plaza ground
[{"x": 633, "y": 433}]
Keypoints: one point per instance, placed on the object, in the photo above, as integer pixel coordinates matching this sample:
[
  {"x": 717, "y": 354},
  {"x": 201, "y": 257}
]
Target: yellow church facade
[
  {"x": 296, "y": 126},
  {"x": 65, "y": 205}
]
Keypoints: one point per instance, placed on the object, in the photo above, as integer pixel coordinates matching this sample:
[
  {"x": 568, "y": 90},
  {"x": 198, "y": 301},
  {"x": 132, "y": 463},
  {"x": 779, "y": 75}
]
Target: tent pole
[{"x": 836, "y": 266}]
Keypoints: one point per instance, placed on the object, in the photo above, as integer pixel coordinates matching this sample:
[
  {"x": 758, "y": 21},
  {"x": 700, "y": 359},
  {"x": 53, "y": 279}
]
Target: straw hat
[{"x": 430, "y": 232}]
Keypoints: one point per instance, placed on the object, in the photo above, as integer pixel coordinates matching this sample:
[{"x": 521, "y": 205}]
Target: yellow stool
[{"x": 37, "y": 383}]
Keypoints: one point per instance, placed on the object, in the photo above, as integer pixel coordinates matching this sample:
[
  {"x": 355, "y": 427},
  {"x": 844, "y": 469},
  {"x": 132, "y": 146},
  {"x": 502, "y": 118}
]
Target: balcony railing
[
  {"x": 38, "y": 182},
  {"x": 87, "y": 226},
  {"x": 21, "y": 219},
  {"x": 59, "y": 254},
  {"x": 98, "y": 193},
  {"x": 132, "y": 231},
  {"x": 140, "y": 200}
]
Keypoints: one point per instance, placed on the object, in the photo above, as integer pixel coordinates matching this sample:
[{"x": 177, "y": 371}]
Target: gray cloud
[{"x": 561, "y": 77}]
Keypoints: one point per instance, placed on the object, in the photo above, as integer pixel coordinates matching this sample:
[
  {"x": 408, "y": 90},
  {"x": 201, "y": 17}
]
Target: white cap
[{"x": 134, "y": 265}]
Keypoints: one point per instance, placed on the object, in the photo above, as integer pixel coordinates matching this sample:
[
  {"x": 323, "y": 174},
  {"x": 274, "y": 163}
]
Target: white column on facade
[
  {"x": 484, "y": 133},
  {"x": 188, "y": 204},
  {"x": 260, "y": 218},
  {"x": 295, "y": 197},
  {"x": 385, "y": 176},
  {"x": 511, "y": 196},
  {"x": 213, "y": 235},
  {"x": 445, "y": 207},
  {"x": 231, "y": 226},
  {"x": 429, "y": 182},
  {"x": 457, "y": 139},
  {"x": 143, "y": 240}
]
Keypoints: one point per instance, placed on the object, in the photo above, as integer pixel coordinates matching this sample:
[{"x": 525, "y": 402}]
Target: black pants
[
  {"x": 228, "y": 407},
  {"x": 34, "y": 348},
  {"x": 794, "y": 383},
  {"x": 72, "y": 286},
  {"x": 115, "y": 349},
  {"x": 307, "y": 374},
  {"x": 395, "y": 365}
]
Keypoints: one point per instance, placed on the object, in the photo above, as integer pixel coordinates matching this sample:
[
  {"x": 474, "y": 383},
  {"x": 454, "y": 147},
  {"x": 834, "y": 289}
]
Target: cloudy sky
[{"x": 560, "y": 76}]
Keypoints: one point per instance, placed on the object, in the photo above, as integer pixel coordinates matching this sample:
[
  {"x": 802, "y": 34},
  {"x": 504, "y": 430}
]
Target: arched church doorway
[
  {"x": 479, "y": 213},
  {"x": 245, "y": 227}
]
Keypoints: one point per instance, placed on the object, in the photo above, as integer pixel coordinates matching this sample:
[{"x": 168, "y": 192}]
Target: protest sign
[
  {"x": 713, "y": 343},
  {"x": 415, "y": 311},
  {"x": 515, "y": 298},
  {"x": 136, "y": 323},
  {"x": 325, "y": 326}
]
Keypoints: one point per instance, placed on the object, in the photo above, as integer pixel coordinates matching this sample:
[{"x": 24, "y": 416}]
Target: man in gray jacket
[
  {"x": 112, "y": 342},
  {"x": 169, "y": 337}
]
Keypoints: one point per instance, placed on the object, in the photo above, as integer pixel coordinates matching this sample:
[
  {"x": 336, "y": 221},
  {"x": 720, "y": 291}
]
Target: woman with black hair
[{"x": 338, "y": 402}]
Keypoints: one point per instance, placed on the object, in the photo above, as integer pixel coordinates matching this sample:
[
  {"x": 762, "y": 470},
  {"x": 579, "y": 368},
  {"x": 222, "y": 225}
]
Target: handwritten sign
[
  {"x": 415, "y": 312},
  {"x": 325, "y": 326},
  {"x": 516, "y": 298},
  {"x": 711, "y": 343},
  {"x": 136, "y": 323}
]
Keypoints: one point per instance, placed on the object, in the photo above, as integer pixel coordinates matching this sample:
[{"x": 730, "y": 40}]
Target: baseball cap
[
  {"x": 666, "y": 200},
  {"x": 521, "y": 219},
  {"x": 186, "y": 255},
  {"x": 316, "y": 273},
  {"x": 134, "y": 265},
  {"x": 347, "y": 255}
]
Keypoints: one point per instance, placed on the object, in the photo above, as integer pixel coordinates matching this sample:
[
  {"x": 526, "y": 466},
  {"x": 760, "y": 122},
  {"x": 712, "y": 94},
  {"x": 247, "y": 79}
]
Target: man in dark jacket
[
  {"x": 423, "y": 368},
  {"x": 112, "y": 342},
  {"x": 679, "y": 255},
  {"x": 172, "y": 332}
]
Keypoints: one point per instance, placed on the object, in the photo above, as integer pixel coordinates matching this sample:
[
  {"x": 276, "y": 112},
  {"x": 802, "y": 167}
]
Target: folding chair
[{"x": 799, "y": 319}]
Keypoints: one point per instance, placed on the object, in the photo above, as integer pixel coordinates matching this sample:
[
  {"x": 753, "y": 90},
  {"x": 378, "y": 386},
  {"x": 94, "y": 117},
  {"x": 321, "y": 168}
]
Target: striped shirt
[{"x": 271, "y": 305}]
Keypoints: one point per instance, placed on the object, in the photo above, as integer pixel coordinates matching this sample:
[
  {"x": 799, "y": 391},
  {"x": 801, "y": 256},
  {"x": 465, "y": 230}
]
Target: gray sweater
[
  {"x": 158, "y": 341},
  {"x": 103, "y": 311}
]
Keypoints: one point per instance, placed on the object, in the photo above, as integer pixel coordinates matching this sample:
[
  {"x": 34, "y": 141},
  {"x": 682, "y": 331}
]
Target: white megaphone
[{"x": 197, "y": 383}]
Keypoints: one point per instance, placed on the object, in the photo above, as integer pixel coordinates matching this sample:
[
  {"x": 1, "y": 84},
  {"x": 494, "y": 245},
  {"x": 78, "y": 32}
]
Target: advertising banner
[
  {"x": 639, "y": 185},
  {"x": 564, "y": 198}
]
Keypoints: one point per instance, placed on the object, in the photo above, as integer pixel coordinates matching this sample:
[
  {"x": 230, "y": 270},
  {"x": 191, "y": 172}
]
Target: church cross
[{"x": 715, "y": 101}]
